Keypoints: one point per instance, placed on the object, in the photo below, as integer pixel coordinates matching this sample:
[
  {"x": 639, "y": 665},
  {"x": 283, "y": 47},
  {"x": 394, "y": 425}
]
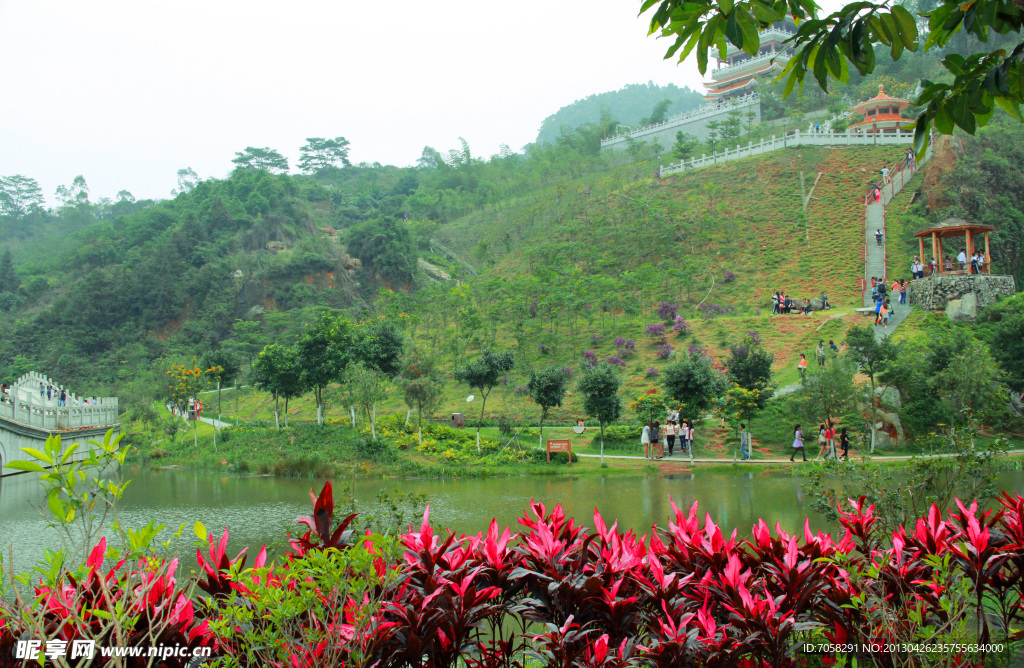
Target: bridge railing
[{"x": 25, "y": 404}]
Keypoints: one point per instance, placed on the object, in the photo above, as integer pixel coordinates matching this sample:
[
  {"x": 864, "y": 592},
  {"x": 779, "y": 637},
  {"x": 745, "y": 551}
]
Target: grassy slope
[{"x": 754, "y": 232}]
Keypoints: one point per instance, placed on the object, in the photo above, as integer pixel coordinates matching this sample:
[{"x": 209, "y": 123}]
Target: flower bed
[{"x": 562, "y": 595}]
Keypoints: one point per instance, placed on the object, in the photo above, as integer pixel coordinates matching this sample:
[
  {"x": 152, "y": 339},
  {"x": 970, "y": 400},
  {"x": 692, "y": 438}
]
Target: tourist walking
[
  {"x": 775, "y": 303},
  {"x": 877, "y": 193},
  {"x": 903, "y": 292},
  {"x": 884, "y": 171},
  {"x": 744, "y": 442},
  {"x": 801, "y": 366},
  {"x": 878, "y": 237},
  {"x": 670, "y": 436},
  {"x": 878, "y": 311},
  {"x": 819, "y": 353},
  {"x": 63, "y": 400},
  {"x": 798, "y": 443},
  {"x": 981, "y": 261},
  {"x": 645, "y": 439},
  {"x": 885, "y": 313},
  {"x": 822, "y": 443},
  {"x": 42, "y": 390},
  {"x": 910, "y": 158},
  {"x": 962, "y": 259},
  {"x": 690, "y": 435},
  {"x": 824, "y": 301},
  {"x": 844, "y": 443}
]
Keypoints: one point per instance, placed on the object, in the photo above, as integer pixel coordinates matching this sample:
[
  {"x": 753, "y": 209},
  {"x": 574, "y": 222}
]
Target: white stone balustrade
[
  {"x": 798, "y": 138},
  {"x": 24, "y": 405}
]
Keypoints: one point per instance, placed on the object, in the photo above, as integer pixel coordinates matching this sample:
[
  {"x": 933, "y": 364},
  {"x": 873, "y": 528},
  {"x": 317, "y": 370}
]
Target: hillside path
[{"x": 874, "y": 254}]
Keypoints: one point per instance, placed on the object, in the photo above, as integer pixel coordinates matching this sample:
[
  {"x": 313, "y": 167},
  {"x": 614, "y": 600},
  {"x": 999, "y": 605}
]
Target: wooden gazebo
[{"x": 956, "y": 227}]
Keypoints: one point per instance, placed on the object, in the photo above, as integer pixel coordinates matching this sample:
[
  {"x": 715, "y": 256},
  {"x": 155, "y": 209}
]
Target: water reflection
[{"x": 261, "y": 510}]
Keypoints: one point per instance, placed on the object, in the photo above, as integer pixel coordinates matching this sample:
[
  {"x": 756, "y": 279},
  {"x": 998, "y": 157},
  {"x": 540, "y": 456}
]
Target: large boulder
[
  {"x": 888, "y": 397},
  {"x": 815, "y": 304},
  {"x": 964, "y": 309}
]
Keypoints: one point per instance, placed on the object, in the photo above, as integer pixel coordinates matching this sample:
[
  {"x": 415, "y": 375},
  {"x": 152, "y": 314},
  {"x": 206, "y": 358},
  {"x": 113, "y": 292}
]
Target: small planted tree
[
  {"x": 380, "y": 355},
  {"x": 277, "y": 371},
  {"x": 229, "y": 364},
  {"x": 547, "y": 388},
  {"x": 324, "y": 351},
  {"x": 420, "y": 381},
  {"x": 829, "y": 392},
  {"x": 187, "y": 381},
  {"x": 599, "y": 386},
  {"x": 744, "y": 404},
  {"x": 750, "y": 367},
  {"x": 693, "y": 382},
  {"x": 873, "y": 357},
  {"x": 482, "y": 375}
]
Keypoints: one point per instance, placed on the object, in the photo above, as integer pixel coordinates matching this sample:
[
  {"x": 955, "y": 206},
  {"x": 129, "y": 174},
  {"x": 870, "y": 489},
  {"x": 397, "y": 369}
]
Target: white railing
[
  {"x": 756, "y": 60},
  {"x": 25, "y": 404},
  {"x": 798, "y": 138},
  {"x": 702, "y": 112}
]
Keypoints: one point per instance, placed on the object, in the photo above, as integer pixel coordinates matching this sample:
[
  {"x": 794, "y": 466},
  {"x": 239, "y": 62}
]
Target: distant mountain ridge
[{"x": 627, "y": 105}]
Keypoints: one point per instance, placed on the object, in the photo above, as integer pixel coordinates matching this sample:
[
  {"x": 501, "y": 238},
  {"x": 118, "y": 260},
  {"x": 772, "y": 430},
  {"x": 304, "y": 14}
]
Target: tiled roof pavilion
[{"x": 881, "y": 113}]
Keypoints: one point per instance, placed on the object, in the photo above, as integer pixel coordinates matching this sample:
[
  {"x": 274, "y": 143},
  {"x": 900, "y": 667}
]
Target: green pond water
[{"x": 259, "y": 511}]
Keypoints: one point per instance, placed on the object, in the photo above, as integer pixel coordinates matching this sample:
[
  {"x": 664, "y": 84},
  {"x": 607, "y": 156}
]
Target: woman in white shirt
[{"x": 645, "y": 440}]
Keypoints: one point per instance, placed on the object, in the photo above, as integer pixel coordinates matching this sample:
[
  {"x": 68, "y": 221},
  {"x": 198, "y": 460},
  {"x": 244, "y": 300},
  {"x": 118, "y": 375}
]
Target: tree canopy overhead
[{"x": 827, "y": 46}]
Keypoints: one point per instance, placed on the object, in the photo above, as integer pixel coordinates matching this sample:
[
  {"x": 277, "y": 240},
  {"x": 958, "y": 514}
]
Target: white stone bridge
[{"x": 28, "y": 417}]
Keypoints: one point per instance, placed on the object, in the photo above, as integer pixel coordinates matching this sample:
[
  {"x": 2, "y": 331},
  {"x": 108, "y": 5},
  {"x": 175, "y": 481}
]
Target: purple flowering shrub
[
  {"x": 616, "y": 361},
  {"x": 667, "y": 311},
  {"x": 712, "y": 311},
  {"x": 625, "y": 344},
  {"x": 652, "y": 372},
  {"x": 753, "y": 337},
  {"x": 590, "y": 357},
  {"x": 680, "y": 326},
  {"x": 596, "y": 339},
  {"x": 729, "y": 277},
  {"x": 655, "y": 329},
  {"x": 663, "y": 351},
  {"x": 696, "y": 349},
  {"x": 567, "y": 370},
  {"x": 521, "y": 391}
]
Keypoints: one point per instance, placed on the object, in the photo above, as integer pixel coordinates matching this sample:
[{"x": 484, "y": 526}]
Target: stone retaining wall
[{"x": 935, "y": 292}]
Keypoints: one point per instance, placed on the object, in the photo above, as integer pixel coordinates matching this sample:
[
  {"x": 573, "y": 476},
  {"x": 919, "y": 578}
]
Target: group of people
[
  {"x": 656, "y": 438},
  {"x": 976, "y": 264},
  {"x": 783, "y": 303},
  {"x": 49, "y": 391},
  {"x": 880, "y": 298},
  {"x": 821, "y": 354},
  {"x": 827, "y": 440}
]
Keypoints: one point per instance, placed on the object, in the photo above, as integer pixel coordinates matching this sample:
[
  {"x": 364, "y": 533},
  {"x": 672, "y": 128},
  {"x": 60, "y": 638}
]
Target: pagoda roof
[
  {"x": 881, "y": 98},
  {"x": 954, "y": 227},
  {"x": 883, "y": 119},
  {"x": 712, "y": 92}
]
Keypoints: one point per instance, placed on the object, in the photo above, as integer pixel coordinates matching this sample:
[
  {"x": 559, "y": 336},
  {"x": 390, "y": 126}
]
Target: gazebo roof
[
  {"x": 879, "y": 99},
  {"x": 954, "y": 227}
]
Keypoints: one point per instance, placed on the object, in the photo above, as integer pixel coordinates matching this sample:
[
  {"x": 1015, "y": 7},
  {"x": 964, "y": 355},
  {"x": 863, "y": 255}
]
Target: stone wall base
[{"x": 936, "y": 292}]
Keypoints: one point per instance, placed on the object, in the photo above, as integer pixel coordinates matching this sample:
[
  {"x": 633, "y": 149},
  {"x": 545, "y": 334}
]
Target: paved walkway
[{"x": 683, "y": 459}]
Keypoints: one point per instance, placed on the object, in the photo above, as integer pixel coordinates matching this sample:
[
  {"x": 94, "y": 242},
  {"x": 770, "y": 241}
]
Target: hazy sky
[{"x": 127, "y": 92}]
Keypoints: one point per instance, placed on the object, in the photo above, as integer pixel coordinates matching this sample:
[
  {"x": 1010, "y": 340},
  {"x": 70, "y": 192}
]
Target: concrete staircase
[{"x": 874, "y": 255}]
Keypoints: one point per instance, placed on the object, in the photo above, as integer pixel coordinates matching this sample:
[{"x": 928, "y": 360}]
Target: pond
[{"x": 260, "y": 510}]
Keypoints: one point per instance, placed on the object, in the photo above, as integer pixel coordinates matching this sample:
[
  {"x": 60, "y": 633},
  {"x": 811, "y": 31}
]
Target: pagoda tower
[
  {"x": 882, "y": 115},
  {"x": 736, "y": 76}
]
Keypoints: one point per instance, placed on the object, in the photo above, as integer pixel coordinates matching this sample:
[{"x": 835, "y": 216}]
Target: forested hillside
[
  {"x": 554, "y": 251},
  {"x": 635, "y": 104}
]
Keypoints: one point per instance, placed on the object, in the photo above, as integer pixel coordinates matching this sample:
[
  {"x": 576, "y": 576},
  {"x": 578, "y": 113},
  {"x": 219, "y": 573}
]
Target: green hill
[{"x": 628, "y": 105}]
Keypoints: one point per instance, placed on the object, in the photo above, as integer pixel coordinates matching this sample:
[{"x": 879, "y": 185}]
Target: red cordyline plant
[
  {"x": 683, "y": 595},
  {"x": 138, "y": 607}
]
